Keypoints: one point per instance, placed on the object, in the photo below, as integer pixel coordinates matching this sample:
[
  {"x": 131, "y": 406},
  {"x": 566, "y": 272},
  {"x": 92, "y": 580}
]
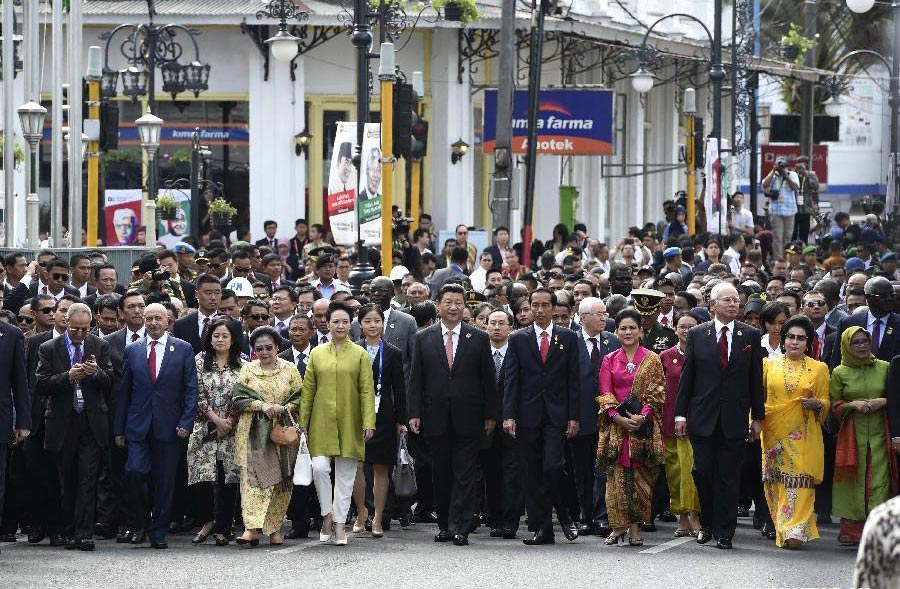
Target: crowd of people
[{"x": 670, "y": 377}]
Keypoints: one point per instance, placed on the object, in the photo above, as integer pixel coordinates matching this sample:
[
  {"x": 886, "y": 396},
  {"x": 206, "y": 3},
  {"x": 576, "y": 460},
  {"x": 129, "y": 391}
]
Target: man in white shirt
[
  {"x": 478, "y": 278},
  {"x": 741, "y": 218}
]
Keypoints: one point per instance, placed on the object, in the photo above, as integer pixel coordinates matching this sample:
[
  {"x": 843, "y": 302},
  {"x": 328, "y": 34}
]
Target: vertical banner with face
[
  {"x": 719, "y": 185},
  {"x": 174, "y": 231},
  {"x": 122, "y": 212},
  {"x": 342, "y": 182},
  {"x": 369, "y": 200}
]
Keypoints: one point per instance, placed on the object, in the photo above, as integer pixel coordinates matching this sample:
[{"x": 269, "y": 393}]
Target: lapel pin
[
  {"x": 468, "y": 335},
  {"x": 739, "y": 333},
  {"x": 391, "y": 326},
  {"x": 606, "y": 342},
  {"x": 889, "y": 331},
  {"x": 171, "y": 348}
]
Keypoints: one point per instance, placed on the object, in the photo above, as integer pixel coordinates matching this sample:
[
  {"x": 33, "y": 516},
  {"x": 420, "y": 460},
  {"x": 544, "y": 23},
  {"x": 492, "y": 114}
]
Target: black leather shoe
[
  {"x": 104, "y": 531},
  {"x": 72, "y": 544},
  {"x": 540, "y": 537},
  {"x": 704, "y": 536},
  {"x": 161, "y": 545},
  {"x": 476, "y": 523},
  {"x": 768, "y": 531},
  {"x": 743, "y": 512},
  {"x": 602, "y": 529},
  {"x": 138, "y": 537},
  {"x": 86, "y": 545},
  {"x": 425, "y": 517},
  {"x": 460, "y": 540},
  {"x": 648, "y": 526},
  {"x": 7, "y": 537},
  {"x": 757, "y": 523},
  {"x": 667, "y": 516},
  {"x": 497, "y": 532},
  {"x": 569, "y": 530},
  {"x": 509, "y": 533},
  {"x": 585, "y": 529},
  {"x": 36, "y": 536},
  {"x": 723, "y": 543},
  {"x": 443, "y": 536},
  {"x": 296, "y": 534},
  {"x": 406, "y": 519},
  {"x": 124, "y": 537},
  {"x": 57, "y": 540},
  {"x": 200, "y": 538}
]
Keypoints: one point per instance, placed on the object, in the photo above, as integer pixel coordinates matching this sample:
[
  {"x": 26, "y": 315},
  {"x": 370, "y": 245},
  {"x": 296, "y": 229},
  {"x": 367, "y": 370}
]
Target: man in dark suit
[
  {"x": 190, "y": 327},
  {"x": 75, "y": 374},
  {"x": 155, "y": 411},
  {"x": 273, "y": 270},
  {"x": 590, "y": 483},
  {"x": 455, "y": 272},
  {"x": 399, "y": 328},
  {"x": 53, "y": 279},
  {"x": 501, "y": 462},
  {"x": 112, "y": 513},
  {"x": 15, "y": 398},
  {"x": 44, "y": 496},
  {"x": 881, "y": 322},
  {"x": 499, "y": 247},
  {"x": 541, "y": 408},
  {"x": 271, "y": 228},
  {"x": 453, "y": 400},
  {"x": 721, "y": 383}
]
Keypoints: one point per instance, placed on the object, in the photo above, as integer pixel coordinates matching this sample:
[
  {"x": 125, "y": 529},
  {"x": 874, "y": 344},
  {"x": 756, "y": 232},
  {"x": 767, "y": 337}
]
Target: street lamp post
[
  {"x": 642, "y": 79},
  {"x": 31, "y": 118},
  {"x": 149, "y": 127}
]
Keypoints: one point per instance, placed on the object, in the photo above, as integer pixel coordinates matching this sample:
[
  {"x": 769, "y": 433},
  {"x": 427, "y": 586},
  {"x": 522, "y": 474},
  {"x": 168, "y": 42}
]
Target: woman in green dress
[
  {"x": 266, "y": 388},
  {"x": 338, "y": 410},
  {"x": 863, "y": 476}
]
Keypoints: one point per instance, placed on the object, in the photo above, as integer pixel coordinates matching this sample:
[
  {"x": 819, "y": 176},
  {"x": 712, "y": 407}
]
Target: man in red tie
[
  {"x": 541, "y": 410},
  {"x": 719, "y": 392},
  {"x": 815, "y": 307},
  {"x": 155, "y": 410}
]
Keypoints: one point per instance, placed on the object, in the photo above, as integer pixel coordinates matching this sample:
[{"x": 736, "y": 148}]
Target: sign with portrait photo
[
  {"x": 122, "y": 213},
  {"x": 369, "y": 199},
  {"x": 342, "y": 183}
]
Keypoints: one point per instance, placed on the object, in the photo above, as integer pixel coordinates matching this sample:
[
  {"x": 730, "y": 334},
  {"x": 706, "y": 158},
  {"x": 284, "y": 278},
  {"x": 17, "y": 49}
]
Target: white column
[
  {"x": 277, "y": 175},
  {"x": 452, "y": 190}
]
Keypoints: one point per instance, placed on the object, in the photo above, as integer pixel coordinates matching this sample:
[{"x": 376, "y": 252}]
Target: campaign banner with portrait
[
  {"x": 719, "y": 186},
  {"x": 368, "y": 203},
  {"x": 122, "y": 213},
  {"x": 170, "y": 232},
  {"x": 342, "y": 182}
]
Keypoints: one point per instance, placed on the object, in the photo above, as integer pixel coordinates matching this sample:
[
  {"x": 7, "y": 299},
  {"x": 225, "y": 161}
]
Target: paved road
[{"x": 409, "y": 558}]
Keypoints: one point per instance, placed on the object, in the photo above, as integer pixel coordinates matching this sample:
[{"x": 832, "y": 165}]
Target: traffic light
[
  {"x": 109, "y": 126},
  {"x": 419, "y": 139},
  {"x": 699, "y": 144},
  {"x": 404, "y": 113}
]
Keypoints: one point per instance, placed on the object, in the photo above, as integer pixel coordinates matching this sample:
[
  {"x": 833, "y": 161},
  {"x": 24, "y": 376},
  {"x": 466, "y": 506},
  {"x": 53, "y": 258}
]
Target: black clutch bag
[{"x": 633, "y": 406}]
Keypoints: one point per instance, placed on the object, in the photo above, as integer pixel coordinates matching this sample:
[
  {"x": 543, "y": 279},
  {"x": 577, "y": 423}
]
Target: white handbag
[{"x": 303, "y": 465}]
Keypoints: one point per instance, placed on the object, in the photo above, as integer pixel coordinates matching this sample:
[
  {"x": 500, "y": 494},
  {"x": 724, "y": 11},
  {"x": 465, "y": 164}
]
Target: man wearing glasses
[
  {"x": 53, "y": 279},
  {"x": 462, "y": 240},
  {"x": 241, "y": 267},
  {"x": 881, "y": 322}
]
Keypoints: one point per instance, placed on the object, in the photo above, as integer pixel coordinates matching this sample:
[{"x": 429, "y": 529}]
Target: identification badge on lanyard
[{"x": 380, "y": 367}]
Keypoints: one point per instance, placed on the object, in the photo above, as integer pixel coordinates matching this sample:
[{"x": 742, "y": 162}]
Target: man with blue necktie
[{"x": 155, "y": 410}]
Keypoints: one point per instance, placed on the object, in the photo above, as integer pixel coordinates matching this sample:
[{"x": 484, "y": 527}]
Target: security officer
[{"x": 657, "y": 337}]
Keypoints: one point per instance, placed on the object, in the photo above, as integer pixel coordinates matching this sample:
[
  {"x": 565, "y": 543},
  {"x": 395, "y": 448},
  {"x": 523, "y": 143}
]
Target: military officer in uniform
[{"x": 657, "y": 338}]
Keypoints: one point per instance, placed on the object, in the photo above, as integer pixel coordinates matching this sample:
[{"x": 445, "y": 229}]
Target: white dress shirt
[
  {"x": 538, "y": 331},
  {"x": 200, "y": 318},
  {"x": 455, "y": 332},
  {"x": 305, "y": 353},
  {"x": 128, "y": 333},
  {"x": 729, "y": 337},
  {"x": 320, "y": 335},
  {"x": 386, "y": 315},
  {"x": 83, "y": 290},
  {"x": 670, "y": 318},
  {"x": 160, "y": 350}
]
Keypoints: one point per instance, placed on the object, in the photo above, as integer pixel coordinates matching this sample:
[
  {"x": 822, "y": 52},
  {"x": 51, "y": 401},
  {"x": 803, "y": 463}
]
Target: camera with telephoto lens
[{"x": 160, "y": 275}]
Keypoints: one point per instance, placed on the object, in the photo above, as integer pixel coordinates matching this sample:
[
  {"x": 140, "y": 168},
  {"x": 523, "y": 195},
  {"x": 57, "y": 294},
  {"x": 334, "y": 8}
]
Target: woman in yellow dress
[
  {"x": 266, "y": 388},
  {"x": 797, "y": 403}
]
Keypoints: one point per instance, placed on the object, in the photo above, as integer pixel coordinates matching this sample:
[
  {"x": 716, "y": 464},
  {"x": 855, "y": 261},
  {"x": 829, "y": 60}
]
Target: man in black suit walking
[
  {"x": 881, "y": 322},
  {"x": 15, "y": 396},
  {"x": 75, "y": 373},
  {"x": 190, "y": 327},
  {"x": 721, "y": 383},
  {"x": 455, "y": 272},
  {"x": 541, "y": 409},
  {"x": 453, "y": 400}
]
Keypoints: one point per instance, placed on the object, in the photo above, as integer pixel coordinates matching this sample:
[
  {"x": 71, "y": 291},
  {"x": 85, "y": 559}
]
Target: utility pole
[
  {"x": 387, "y": 76},
  {"x": 415, "y": 198},
  {"x": 57, "y": 76},
  {"x": 690, "y": 113},
  {"x": 807, "y": 90},
  {"x": 534, "y": 99},
  {"x": 75, "y": 125},
  {"x": 95, "y": 71},
  {"x": 502, "y": 184},
  {"x": 894, "y": 102},
  {"x": 9, "y": 158}
]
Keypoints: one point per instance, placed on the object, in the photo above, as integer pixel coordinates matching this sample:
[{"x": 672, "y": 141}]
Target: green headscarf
[{"x": 847, "y": 357}]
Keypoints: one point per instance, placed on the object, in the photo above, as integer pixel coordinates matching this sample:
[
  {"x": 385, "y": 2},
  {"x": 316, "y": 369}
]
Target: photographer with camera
[
  {"x": 781, "y": 186},
  {"x": 155, "y": 277},
  {"x": 807, "y": 199}
]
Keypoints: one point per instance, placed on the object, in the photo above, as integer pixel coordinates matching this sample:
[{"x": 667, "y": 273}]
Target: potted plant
[
  {"x": 463, "y": 11},
  {"x": 794, "y": 45},
  {"x": 220, "y": 214},
  {"x": 18, "y": 152},
  {"x": 165, "y": 207}
]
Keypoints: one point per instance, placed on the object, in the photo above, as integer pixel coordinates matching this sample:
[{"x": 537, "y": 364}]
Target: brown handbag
[{"x": 285, "y": 435}]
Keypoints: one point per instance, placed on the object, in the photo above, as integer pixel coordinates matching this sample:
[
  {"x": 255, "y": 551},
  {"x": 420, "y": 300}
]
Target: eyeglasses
[
  {"x": 264, "y": 348},
  {"x": 238, "y": 269},
  {"x": 597, "y": 313},
  {"x": 79, "y": 329},
  {"x": 795, "y": 336},
  {"x": 261, "y": 296},
  {"x": 814, "y": 304},
  {"x": 729, "y": 301},
  {"x": 26, "y": 319},
  {"x": 259, "y": 317},
  {"x": 46, "y": 310},
  {"x": 213, "y": 265},
  {"x": 860, "y": 344},
  {"x": 59, "y": 276}
]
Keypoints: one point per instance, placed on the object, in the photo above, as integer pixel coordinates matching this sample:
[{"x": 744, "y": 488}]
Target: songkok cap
[{"x": 646, "y": 300}]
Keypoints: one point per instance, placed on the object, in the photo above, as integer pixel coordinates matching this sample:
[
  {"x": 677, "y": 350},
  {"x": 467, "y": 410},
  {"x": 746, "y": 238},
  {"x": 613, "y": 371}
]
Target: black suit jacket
[
  {"x": 442, "y": 277},
  {"x": 539, "y": 394},
  {"x": 890, "y": 339},
  {"x": 265, "y": 241},
  {"x": 38, "y": 403},
  {"x": 893, "y": 398},
  {"x": 15, "y": 396},
  {"x": 458, "y": 398},
  {"x": 52, "y": 381},
  {"x": 393, "y": 385},
  {"x": 188, "y": 329},
  {"x": 590, "y": 380},
  {"x": 707, "y": 394},
  {"x": 288, "y": 355},
  {"x": 15, "y": 299}
]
